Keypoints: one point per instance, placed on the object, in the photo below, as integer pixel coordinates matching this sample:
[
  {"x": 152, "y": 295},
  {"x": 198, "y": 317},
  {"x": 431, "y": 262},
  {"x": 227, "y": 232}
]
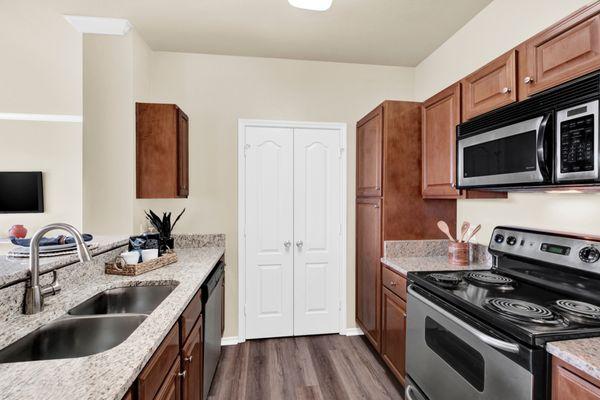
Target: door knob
[
  {"x": 299, "y": 244},
  {"x": 287, "y": 244}
]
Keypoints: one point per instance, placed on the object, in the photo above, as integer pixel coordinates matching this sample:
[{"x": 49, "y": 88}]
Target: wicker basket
[{"x": 119, "y": 267}]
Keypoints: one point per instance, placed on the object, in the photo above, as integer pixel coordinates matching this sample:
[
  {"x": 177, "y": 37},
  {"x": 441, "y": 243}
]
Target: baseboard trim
[
  {"x": 352, "y": 332},
  {"x": 229, "y": 341}
]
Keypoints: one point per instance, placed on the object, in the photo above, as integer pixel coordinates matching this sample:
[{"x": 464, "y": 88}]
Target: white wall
[
  {"x": 496, "y": 29},
  {"x": 41, "y": 74},
  {"x": 215, "y": 91}
]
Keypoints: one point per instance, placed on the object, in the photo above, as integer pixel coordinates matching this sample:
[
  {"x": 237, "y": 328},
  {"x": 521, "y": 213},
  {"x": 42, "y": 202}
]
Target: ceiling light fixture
[{"x": 313, "y": 5}]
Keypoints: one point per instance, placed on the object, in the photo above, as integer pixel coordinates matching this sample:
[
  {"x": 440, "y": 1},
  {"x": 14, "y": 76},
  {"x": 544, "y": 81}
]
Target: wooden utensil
[
  {"x": 444, "y": 228},
  {"x": 477, "y": 228},
  {"x": 464, "y": 229}
]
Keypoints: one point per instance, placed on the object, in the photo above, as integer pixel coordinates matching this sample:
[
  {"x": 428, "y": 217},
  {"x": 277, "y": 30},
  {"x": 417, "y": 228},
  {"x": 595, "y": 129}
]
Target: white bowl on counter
[
  {"x": 131, "y": 257},
  {"x": 149, "y": 254}
]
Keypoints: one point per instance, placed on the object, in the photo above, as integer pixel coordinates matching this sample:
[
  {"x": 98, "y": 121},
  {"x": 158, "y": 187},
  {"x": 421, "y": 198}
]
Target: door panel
[
  {"x": 393, "y": 333},
  {"x": 269, "y": 225},
  {"x": 368, "y": 269},
  {"x": 317, "y": 191},
  {"x": 369, "y": 156}
]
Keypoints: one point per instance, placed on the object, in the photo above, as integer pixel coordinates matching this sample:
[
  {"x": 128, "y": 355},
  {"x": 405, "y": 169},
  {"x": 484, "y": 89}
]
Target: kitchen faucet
[{"x": 35, "y": 293}]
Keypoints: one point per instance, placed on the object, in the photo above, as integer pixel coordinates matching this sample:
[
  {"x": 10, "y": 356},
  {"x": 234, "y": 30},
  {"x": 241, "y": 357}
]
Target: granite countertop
[
  {"x": 107, "y": 375},
  {"x": 16, "y": 269},
  {"x": 404, "y": 265},
  {"x": 583, "y": 354}
]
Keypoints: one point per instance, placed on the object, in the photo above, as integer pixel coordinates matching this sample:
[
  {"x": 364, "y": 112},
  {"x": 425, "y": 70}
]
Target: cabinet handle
[
  {"x": 528, "y": 80},
  {"x": 287, "y": 244},
  {"x": 392, "y": 283},
  {"x": 182, "y": 374},
  {"x": 375, "y": 205},
  {"x": 377, "y": 187},
  {"x": 506, "y": 90},
  {"x": 188, "y": 359}
]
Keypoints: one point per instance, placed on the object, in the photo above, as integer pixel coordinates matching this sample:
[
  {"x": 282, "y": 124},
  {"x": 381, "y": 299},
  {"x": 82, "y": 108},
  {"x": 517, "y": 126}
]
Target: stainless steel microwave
[{"x": 550, "y": 140}]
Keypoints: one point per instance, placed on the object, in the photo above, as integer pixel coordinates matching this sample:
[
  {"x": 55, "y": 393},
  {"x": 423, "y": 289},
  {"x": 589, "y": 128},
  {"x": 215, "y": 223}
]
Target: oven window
[
  {"x": 463, "y": 358},
  {"x": 512, "y": 154}
]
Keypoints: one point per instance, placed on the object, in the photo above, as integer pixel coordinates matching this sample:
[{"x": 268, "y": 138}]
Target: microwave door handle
[
  {"x": 541, "y": 145},
  {"x": 487, "y": 339}
]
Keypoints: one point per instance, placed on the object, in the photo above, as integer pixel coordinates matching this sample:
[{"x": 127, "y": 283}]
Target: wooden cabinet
[
  {"x": 369, "y": 154},
  {"x": 162, "y": 154},
  {"x": 393, "y": 332},
  {"x": 569, "y": 383},
  {"x": 441, "y": 114},
  {"x": 191, "y": 364},
  {"x": 171, "y": 387},
  {"x": 491, "y": 87},
  {"x": 159, "y": 368},
  {"x": 567, "y": 50},
  {"x": 368, "y": 255},
  {"x": 389, "y": 205}
]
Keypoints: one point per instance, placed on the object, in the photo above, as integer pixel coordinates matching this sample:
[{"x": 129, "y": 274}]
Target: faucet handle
[{"x": 52, "y": 288}]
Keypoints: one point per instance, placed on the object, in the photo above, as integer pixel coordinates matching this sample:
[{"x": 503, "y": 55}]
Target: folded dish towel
[{"x": 50, "y": 241}]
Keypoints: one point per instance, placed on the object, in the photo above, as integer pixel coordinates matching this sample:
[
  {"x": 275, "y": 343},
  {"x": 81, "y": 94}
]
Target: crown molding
[{"x": 99, "y": 25}]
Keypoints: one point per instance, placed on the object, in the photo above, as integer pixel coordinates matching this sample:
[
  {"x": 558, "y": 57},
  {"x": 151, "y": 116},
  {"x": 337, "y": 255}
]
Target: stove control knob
[
  {"x": 589, "y": 254},
  {"x": 511, "y": 240},
  {"x": 499, "y": 238}
]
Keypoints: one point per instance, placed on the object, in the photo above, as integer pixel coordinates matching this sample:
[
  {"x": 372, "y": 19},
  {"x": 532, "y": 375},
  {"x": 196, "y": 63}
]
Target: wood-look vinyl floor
[{"x": 327, "y": 367}]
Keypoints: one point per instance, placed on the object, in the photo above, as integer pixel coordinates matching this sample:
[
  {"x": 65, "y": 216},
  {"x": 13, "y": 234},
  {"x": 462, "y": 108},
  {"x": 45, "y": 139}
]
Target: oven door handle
[
  {"x": 491, "y": 341},
  {"x": 541, "y": 146}
]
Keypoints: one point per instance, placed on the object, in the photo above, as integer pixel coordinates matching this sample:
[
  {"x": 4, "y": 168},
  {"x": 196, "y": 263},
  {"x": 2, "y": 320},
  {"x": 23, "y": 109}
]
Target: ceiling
[{"x": 384, "y": 32}]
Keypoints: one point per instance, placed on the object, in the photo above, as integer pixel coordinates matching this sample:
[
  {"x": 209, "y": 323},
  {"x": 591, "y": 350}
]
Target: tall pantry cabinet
[{"x": 389, "y": 205}]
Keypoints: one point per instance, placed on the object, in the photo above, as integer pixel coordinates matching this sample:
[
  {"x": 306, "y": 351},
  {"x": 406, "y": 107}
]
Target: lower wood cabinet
[
  {"x": 569, "y": 383},
  {"x": 158, "y": 371},
  {"x": 191, "y": 364},
  {"x": 171, "y": 387},
  {"x": 393, "y": 333}
]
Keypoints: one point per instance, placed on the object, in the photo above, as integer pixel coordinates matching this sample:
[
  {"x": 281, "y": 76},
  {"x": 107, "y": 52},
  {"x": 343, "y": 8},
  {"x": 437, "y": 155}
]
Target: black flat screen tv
[{"x": 21, "y": 192}]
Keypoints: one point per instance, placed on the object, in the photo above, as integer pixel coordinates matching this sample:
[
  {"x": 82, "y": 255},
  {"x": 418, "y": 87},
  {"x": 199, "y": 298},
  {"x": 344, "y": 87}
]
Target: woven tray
[{"x": 120, "y": 268}]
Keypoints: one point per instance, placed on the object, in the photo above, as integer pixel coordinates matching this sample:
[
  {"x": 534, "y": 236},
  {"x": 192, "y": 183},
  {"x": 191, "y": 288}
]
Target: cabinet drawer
[
  {"x": 158, "y": 368},
  {"x": 394, "y": 282},
  {"x": 569, "y": 383},
  {"x": 190, "y": 315}
]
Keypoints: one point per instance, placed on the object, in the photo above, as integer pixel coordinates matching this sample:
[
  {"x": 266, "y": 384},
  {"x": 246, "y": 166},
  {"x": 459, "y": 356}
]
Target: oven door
[
  {"x": 514, "y": 155},
  {"x": 449, "y": 358}
]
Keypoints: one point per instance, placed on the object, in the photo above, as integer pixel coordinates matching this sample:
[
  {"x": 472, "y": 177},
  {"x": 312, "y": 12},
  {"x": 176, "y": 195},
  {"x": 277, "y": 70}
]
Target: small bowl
[
  {"x": 131, "y": 257},
  {"x": 149, "y": 254}
]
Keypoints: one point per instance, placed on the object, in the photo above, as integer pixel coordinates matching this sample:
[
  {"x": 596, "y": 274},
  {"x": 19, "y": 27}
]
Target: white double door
[{"x": 292, "y": 231}]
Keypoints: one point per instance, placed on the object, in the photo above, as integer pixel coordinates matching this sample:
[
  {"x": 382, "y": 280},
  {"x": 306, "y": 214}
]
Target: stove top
[{"x": 528, "y": 312}]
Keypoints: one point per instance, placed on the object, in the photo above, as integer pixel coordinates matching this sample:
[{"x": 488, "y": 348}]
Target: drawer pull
[
  {"x": 528, "y": 80},
  {"x": 392, "y": 283},
  {"x": 182, "y": 374},
  {"x": 188, "y": 359},
  {"x": 506, "y": 90}
]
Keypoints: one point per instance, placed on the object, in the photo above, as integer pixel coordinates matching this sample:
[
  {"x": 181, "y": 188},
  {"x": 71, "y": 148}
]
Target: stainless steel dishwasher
[{"x": 212, "y": 297}]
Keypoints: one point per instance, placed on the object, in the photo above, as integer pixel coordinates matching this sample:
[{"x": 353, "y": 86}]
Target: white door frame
[{"x": 242, "y": 125}]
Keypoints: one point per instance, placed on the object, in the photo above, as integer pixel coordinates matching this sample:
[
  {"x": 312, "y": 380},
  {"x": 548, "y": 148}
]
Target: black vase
[{"x": 166, "y": 244}]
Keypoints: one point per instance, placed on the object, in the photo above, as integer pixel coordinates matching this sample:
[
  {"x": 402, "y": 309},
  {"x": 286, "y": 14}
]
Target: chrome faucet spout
[{"x": 35, "y": 293}]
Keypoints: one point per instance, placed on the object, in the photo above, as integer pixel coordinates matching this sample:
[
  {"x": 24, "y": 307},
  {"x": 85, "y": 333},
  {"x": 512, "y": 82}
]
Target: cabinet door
[
  {"x": 182, "y": 154},
  {"x": 368, "y": 268},
  {"x": 567, "y": 385},
  {"x": 441, "y": 114},
  {"x": 158, "y": 369},
  {"x": 171, "y": 387},
  {"x": 369, "y": 154},
  {"x": 491, "y": 87},
  {"x": 192, "y": 364},
  {"x": 563, "y": 52},
  {"x": 393, "y": 333}
]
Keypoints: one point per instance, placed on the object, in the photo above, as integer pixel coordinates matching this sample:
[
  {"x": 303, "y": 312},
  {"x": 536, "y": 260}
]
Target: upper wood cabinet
[
  {"x": 569, "y": 383},
  {"x": 162, "y": 153},
  {"x": 567, "y": 50},
  {"x": 490, "y": 87},
  {"x": 369, "y": 157},
  {"x": 440, "y": 115}
]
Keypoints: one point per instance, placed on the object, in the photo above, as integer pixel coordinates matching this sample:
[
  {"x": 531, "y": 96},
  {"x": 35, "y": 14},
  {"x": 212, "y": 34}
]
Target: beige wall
[
  {"x": 41, "y": 74},
  {"x": 496, "y": 29},
  {"x": 215, "y": 91}
]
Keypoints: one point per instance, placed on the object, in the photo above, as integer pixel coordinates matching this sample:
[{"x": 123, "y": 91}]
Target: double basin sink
[{"x": 96, "y": 325}]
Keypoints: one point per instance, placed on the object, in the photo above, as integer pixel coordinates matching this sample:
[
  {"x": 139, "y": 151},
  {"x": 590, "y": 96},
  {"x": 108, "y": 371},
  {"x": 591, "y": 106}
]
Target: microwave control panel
[{"x": 577, "y": 142}]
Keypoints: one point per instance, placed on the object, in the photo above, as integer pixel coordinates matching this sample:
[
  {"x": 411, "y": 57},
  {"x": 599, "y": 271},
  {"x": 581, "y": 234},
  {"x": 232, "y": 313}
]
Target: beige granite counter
[
  {"x": 404, "y": 265},
  {"x": 583, "y": 354},
  {"x": 107, "y": 375}
]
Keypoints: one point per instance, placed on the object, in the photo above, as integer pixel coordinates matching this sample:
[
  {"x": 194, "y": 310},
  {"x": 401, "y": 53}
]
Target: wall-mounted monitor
[{"x": 21, "y": 192}]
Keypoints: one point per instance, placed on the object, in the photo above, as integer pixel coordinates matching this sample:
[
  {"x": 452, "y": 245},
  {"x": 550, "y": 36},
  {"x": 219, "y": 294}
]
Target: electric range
[{"x": 481, "y": 334}]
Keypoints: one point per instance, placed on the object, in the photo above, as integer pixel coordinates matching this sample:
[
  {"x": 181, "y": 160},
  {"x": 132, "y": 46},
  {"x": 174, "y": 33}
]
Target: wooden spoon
[
  {"x": 463, "y": 230},
  {"x": 477, "y": 228},
  {"x": 444, "y": 228}
]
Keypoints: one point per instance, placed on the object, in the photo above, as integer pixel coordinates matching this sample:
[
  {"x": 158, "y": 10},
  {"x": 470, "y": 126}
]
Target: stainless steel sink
[
  {"x": 72, "y": 337},
  {"x": 132, "y": 300}
]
